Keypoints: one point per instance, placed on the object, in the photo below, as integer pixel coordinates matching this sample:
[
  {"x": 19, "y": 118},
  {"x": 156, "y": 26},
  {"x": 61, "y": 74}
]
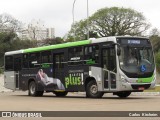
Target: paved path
[
  {"x": 2, "y": 88},
  {"x": 20, "y": 101}
]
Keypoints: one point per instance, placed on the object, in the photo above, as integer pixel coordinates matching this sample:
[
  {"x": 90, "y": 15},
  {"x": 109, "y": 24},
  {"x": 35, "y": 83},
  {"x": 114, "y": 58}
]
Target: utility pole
[
  {"x": 87, "y": 20},
  {"x": 73, "y": 18}
]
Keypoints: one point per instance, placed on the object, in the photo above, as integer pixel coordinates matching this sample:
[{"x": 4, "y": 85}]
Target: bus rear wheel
[
  {"x": 33, "y": 90},
  {"x": 60, "y": 94},
  {"x": 92, "y": 90},
  {"x": 124, "y": 94}
]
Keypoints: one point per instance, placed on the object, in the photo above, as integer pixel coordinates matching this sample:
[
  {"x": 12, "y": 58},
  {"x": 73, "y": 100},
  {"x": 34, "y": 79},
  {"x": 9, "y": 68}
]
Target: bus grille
[{"x": 136, "y": 87}]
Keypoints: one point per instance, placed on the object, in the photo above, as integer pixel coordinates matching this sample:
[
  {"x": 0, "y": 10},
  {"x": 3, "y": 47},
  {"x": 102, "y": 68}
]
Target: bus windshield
[{"x": 136, "y": 60}]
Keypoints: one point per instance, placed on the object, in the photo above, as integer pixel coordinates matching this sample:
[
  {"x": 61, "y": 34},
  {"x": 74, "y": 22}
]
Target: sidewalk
[
  {"x": 2, "y": 88},
  {"x": 146, "y": 93}
]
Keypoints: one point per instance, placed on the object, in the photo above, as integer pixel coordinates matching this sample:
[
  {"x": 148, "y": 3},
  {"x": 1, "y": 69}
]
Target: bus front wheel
[
  {"x": 124, "y": 94},
  {"x": 33, "y": 90},
  {"x": 92, "y": 90}
]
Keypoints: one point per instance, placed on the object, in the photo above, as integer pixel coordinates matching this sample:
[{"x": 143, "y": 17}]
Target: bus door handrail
[{"x": 109, "y": 71}]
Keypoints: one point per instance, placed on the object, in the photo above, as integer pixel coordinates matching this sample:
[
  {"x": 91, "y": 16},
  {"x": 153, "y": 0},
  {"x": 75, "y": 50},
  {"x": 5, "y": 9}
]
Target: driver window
[{"x": 132, "y": 57}]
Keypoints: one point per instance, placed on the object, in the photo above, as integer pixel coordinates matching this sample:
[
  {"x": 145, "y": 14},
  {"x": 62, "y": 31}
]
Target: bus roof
[
  {"x": 43, "y": 48},
  {"x": 14, "y": 52},
  {"x": 69, "y": 44}
]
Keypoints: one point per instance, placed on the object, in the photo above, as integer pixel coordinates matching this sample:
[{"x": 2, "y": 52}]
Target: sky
[{"x": 58, "y": 13}]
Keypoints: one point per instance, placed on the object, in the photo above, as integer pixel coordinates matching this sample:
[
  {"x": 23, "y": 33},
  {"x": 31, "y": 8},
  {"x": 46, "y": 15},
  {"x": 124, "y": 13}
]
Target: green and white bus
[{"x": 118, "y": 65}]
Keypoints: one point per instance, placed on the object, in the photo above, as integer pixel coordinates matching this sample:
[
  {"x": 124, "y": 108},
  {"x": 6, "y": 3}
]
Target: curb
[{"x": 146, "y": 93}]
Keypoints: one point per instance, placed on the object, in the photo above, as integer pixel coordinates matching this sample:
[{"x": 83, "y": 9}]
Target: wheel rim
[
  {"x": 94, "y": 89},
  {"x": 32, "y": 88}
]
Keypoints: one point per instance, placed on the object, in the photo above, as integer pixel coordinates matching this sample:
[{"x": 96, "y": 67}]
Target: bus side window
[
  {"x": 75, "y": 56},
  {"x": 17, "y": 63},
  {"x": 46, "y": 57},
  {"x": 59, "y": 61},
  {"x": 91, "y": 54},
  {"x": 9, "y": 63},
  {"x": 34, "y": 60},
  {"x": 25, "y": 61}
]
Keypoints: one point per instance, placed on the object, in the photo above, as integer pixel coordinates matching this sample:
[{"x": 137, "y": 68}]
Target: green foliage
[
  {"x": 78, "y": 31},
  {"x": 1, "y": 70},
  {"x": 110, "y": 22},
  {"x": 6, "y": 44},
  {"x": 9, "y": 42},
  {"x": 118, "y": 21},
  {"x": 51, "y": 41},
  {"x": 157, "y": 59},
  {"x": 155, "y": 40}
]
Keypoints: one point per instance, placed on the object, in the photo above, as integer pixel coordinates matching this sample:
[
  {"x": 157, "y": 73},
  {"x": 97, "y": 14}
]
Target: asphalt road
[{"x": 20, "y": 101}]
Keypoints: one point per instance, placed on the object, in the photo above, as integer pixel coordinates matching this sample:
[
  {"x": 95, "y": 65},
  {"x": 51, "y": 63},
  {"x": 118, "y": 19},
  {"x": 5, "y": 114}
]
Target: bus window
[
  {"x": 91, "y": 54},
  {"x": 112, "y": 60},
  {"x": 59, "y": 60},
  {"x": 109, "y": 59},
  {"x": 25, "y": 61},
  {"x": 46, "y": 57},
  {"x": 75, "y": 56},
  {"x": 34, "y": 60},
  {"x": 9, "y": 63},
  {"x": 17, "y": 64}
]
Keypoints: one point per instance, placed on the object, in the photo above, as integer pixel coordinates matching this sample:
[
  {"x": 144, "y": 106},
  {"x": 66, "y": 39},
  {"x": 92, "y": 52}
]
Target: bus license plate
[{"x": 141, "y": 88}]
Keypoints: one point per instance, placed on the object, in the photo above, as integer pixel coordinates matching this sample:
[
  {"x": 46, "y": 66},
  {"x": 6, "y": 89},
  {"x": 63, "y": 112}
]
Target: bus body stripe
[
  {"x": 64, "y": 45},
  {"x": 146, "y": 80}
]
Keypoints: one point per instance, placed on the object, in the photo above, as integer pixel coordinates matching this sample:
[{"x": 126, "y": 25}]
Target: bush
[
  {"x": 1, "y": 70},
  {"x": 157, "y": 60}
]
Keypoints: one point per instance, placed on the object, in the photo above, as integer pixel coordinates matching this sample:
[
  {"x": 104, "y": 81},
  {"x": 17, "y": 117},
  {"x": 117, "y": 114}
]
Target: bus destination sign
[{"x": 134, "y": 42}]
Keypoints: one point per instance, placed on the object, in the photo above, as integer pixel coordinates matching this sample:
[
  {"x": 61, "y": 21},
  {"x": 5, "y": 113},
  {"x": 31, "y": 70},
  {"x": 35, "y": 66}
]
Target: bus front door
[{"x": 109, "y": 68}]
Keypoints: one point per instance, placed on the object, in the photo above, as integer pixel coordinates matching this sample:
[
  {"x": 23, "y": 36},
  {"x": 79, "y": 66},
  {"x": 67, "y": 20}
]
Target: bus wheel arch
[
  {"x": 60, "y": 94},
  {"x": 32, "y": 88},
  {"x": 91, "y": 88},
  {"x": 87, "y": 80},
  {"x": 123, "y": 94}
]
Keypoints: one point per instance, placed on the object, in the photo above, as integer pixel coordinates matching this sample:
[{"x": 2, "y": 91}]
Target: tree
[
  {"x": 154, "y": 32},
  {"x": 50, "y": 41},
  {"x": 78, "y": 31},
  {"x": 9, "y": 23},
  {"x": 155, "y": 39},
  {"x": 9, "y": 42},
  {"x": 36, "y": 30},
  {"x": 110, "y": 22},
  {"x": 157, "y": 59}
]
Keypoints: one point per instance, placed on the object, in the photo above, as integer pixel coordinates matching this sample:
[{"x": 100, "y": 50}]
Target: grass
[{"x": 157, "y": 89}]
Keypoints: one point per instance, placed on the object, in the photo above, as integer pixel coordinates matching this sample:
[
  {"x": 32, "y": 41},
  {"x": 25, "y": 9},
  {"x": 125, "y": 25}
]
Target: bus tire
[
  {"x": 92, "y": 90},
  {"x": 60, "y": 94},
  {"x": 124, "y": 94},
  {"x": 33, "y": 90}
]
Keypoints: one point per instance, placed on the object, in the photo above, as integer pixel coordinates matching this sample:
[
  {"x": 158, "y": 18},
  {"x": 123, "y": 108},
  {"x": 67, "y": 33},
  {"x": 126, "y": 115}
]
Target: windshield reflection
[{"x": 132, "y": 58}]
